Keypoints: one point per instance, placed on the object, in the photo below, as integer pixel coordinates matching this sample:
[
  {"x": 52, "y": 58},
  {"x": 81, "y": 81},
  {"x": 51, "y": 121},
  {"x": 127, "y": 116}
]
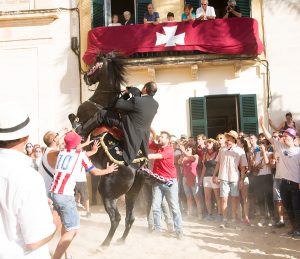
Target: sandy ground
[{"x": 201, "y": 240}]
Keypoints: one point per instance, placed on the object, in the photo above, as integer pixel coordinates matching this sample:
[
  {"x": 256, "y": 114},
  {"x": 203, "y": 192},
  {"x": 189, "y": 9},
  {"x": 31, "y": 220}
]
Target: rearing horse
[{"x": 109, "y": 71}]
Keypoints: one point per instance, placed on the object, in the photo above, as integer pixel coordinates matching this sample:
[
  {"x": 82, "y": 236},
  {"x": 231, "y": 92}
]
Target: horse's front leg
[
  {"x": 114, "y": 216},
  {"x": 130, "y": 198}
]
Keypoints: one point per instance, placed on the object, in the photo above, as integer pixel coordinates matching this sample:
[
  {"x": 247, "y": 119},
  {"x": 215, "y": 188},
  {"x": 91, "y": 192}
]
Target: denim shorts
[
  {"x": 65, "y": 206},
  {"x": 192, "y": 190},
  {"x": 276, "y": 189},
  {"x": 227, "y": 188},
  {"x": 208, "y": 183}
]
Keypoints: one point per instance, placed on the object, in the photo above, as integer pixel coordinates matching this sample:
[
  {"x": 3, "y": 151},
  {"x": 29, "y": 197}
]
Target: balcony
[{"x": 178, "y": 41}]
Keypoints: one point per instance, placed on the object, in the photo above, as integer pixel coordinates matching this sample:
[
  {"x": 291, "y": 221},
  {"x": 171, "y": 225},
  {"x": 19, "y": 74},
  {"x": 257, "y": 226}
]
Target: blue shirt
[{"x": 151, "y": 18}]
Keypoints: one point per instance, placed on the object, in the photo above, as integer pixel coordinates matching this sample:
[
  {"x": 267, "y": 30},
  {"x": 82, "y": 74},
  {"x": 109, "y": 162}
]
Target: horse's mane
[{"x": 116, "y": 69}]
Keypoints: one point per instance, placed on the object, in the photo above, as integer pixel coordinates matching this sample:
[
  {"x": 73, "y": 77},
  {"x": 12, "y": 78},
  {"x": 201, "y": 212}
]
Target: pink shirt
[{"x": 190, "y": 172}]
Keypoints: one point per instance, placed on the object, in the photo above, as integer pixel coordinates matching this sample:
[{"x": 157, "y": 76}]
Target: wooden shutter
[
  {"x": 198, "y": 118},
  {"x": 194, "y": 3},
  {"x": 245, "y": 6},
  {"x": 141, "y": 9},
  {"x": 248, "y": 114},
  {"x": 98, "y": 13}
]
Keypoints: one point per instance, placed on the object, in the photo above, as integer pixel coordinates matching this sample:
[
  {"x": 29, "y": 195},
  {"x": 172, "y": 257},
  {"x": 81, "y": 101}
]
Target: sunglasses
[
  {"x": 56, "y": 135},
  {"x": 29, "y": 146}
]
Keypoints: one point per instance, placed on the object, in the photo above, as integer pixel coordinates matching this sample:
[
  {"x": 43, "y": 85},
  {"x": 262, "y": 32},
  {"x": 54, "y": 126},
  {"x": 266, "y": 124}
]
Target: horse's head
[{"x": 108, "y": 70}]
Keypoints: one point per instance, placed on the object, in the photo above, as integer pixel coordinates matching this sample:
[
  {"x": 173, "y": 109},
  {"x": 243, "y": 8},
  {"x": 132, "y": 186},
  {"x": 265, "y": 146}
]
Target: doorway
[
  {"x": 222, "y": 114},
  {"x": 119, "y": 7},
  {"x": 219, "y": 7}
]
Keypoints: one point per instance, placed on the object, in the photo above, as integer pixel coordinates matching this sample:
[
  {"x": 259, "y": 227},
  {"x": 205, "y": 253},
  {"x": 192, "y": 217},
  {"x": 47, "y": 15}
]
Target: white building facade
[{"x": 40, "y": 69}]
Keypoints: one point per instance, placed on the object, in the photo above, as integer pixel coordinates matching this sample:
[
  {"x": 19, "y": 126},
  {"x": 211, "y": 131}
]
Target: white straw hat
[{"x": 14, "y": 121}]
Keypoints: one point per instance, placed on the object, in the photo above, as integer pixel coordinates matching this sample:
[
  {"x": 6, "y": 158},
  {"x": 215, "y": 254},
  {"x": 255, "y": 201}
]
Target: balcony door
[
  {"x": 118, "y": 7},
  {"x": 102, "y": 10},
  {"x": 214, "y": 114}
]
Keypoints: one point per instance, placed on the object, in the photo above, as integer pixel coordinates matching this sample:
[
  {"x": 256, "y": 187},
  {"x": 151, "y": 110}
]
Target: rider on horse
[{"x": 134, "y": 116}]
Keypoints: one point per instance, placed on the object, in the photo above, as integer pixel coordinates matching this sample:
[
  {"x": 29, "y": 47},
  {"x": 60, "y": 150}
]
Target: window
[
  {"x": 102, "y": 10},
  {"x": 211, "y": 115}
]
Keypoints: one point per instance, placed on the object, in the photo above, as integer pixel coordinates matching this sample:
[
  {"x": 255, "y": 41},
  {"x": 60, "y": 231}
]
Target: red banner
[{"x": 220, "y": 36}]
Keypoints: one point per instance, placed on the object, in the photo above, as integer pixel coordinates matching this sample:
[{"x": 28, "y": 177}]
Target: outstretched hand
[
  {"x": 111, "y": 168},
  {"x": 95, "y": 146}
]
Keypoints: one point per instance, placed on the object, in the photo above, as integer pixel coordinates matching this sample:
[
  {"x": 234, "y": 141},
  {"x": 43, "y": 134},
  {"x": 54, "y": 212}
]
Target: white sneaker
[{"x": 261, "y": 223}]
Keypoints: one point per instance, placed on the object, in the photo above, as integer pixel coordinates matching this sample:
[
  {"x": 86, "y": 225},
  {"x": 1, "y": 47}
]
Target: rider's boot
[{"x": 86, "y": 128}]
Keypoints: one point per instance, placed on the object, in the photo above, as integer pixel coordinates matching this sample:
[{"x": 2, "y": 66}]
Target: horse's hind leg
[
  {"x": 130, "y": 198},
  {"x": 114, "y": 216}
]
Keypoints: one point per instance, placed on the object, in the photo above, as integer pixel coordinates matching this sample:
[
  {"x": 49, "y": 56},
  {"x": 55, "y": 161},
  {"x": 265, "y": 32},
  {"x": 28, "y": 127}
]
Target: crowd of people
[
  {"x": 258, "y": 174},
  {"x": 204, "y": 179},
  {"x": 204, "y": 12}
]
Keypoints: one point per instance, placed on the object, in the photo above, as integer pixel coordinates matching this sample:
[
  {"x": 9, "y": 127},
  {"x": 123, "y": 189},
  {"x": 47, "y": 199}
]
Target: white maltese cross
[{"x": 169, "y": 38}]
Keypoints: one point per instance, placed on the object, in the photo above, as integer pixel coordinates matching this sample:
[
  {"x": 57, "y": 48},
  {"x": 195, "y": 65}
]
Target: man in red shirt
[{"x": 164, "y": 166}]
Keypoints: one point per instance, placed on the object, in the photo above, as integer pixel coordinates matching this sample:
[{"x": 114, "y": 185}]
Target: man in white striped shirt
[{"x": 68, "y": 166}]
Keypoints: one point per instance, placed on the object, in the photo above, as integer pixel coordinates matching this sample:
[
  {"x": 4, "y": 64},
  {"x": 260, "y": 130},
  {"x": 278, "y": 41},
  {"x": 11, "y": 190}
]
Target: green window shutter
[
  {"x": 198, "y": 118},
  {"x": 245, "y": 6},
  {"x": 97, "y": 13},
  {"x": 141, "y": 9},
  {"x": 194, "y": 3},
  {"x": 248, "y": 114}
]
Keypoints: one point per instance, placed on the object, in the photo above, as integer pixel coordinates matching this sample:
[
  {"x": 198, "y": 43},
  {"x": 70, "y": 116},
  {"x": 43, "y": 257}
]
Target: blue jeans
[
  {"x": 290, "y": 195},
  {"x": 159, "y": 191},
  {"x": 65, "y": 206}
]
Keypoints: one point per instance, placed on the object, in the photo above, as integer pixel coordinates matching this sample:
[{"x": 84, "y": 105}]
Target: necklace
[{"x": 210, "y": 155}]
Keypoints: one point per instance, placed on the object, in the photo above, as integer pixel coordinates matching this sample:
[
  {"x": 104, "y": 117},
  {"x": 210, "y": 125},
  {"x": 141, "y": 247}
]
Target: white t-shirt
[
  {"x": 266, "y": 168},
  {"x": 230, "y": 159},
  {"x": 210, "y": 11},
  {"x": 114, "y": 24},
  {"x": 287, "y": 162},
  {"x": 44, "y": 164},
  {"x": 25, "y": 216},
  {"x": 67, "y": 168},
  {"x": 81, "y": 177}
]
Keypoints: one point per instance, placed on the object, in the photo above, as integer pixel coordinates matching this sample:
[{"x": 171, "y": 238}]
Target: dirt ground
[{"x": 201, "y": 240}]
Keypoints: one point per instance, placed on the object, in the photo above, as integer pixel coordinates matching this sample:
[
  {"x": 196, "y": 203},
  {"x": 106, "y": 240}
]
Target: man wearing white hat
[
  {"x": 26, "y": 222},
  {"x": 231, "y": 171}
]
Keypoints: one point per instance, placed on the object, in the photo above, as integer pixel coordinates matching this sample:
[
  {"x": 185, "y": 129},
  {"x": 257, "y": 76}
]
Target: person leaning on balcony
[
  {"x": 150, "y": 16},
  {"x": 205, "y": 12},
  {"x": 188, "y": 14},
  {"x": 232, "y": 10},
  {"x": 170, "y": 17},
  {"x": 127, "y": 18},
  {"x": 115, "y": 21}
]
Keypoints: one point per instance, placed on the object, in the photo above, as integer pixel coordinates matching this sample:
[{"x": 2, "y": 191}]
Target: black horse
[{"x": 109, "y": 71}]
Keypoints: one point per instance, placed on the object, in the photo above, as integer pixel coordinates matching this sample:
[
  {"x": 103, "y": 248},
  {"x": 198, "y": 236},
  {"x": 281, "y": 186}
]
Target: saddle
[{"x": 112, "y": 144}]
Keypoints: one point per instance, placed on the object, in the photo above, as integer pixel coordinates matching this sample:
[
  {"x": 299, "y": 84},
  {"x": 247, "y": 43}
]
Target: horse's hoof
[
  {"x": 101, "y": 249},
  {"x": 120, "y": 241},
  {"x": 72, "y": 117}
]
